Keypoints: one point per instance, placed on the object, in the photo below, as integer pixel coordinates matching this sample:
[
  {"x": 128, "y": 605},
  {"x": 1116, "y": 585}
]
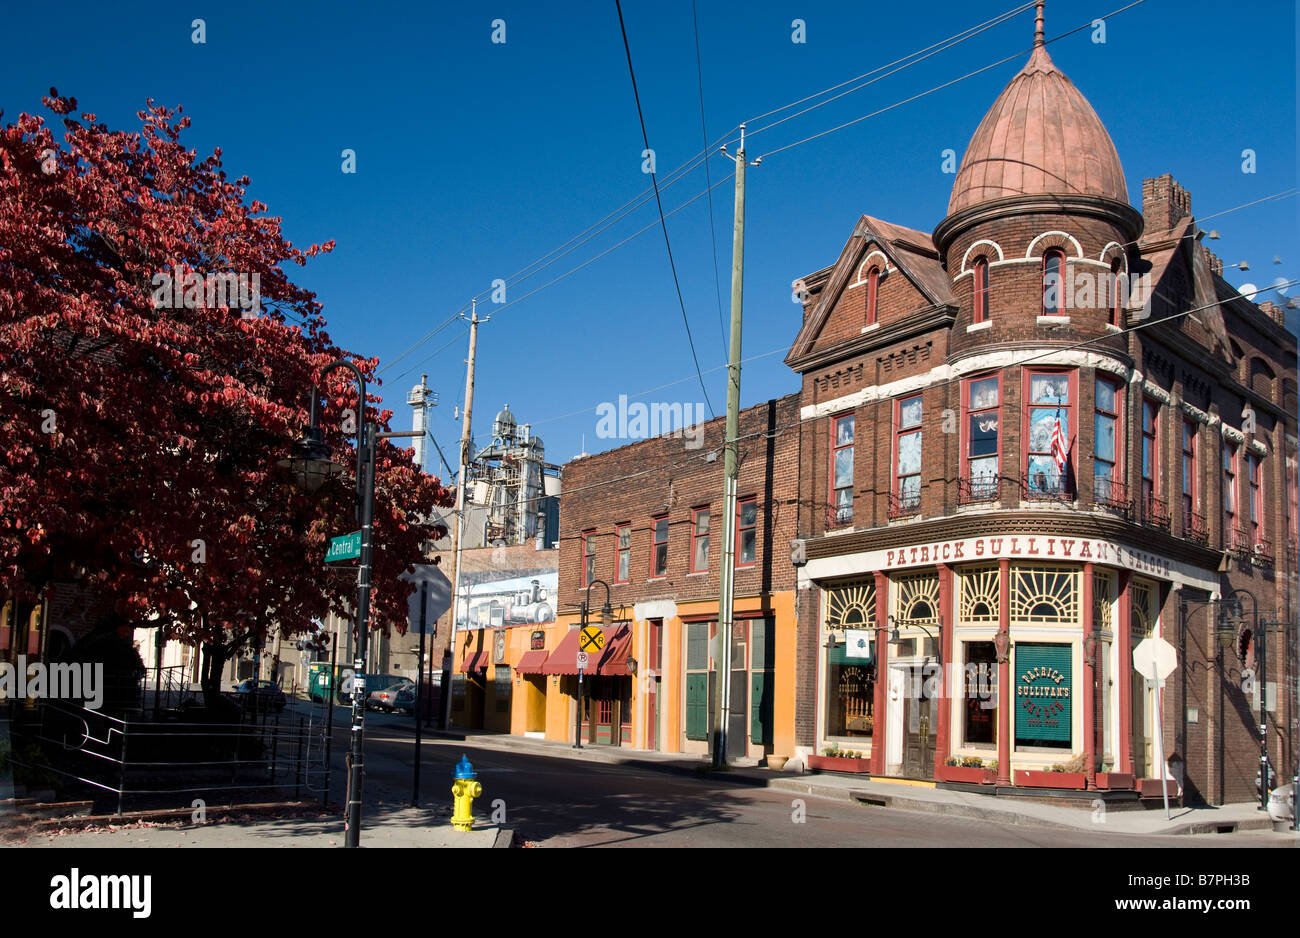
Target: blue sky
[{"x": 476, "y": 158}]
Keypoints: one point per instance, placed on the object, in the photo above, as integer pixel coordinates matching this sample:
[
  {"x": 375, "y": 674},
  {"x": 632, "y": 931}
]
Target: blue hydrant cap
[{"x": 464, "y": 769}]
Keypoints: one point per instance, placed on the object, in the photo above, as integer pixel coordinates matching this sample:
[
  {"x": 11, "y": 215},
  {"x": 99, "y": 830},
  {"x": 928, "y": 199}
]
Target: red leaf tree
[{"x": 155, "y": 365}]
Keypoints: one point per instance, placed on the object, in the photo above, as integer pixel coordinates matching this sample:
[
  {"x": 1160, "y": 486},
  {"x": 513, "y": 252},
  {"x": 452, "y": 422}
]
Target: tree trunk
[{"x": 214, "y": 661}]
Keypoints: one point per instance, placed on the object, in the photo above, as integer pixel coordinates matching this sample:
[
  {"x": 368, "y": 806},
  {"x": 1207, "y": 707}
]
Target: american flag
[{"x": 1060, "y": 446}]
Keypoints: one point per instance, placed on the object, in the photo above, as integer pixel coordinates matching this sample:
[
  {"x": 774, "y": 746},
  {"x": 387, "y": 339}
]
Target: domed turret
[
  {"x": 503, "y": 427},
  {"x": 1040, "y": 137}
]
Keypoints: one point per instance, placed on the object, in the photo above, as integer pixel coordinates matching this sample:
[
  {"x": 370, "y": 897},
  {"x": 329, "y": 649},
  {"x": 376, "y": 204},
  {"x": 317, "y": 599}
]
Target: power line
[
  {"x": 946, "y": 84},
  {"x": 708, "y": 181},
  {"x": 662, "y": 221}
]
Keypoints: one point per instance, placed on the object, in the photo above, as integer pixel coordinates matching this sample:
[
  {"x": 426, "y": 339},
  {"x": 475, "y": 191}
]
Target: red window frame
[
  {"x": 899, "y": 433},
  {"x": 1117, "y": 464},
  {"x": 842, "y": 514},
  {"x": 589, "y": 557},
  {"x": 1254, "y": 478},
  {"x": 655, "y": 543},
  {"x": 1069, "y": 408},
  {"x": 873, "y": 293},
  {"x": 1116, "y": 296},
  {"x": 1059, "y": 256},
  {"x": 622, "y": 552},
  {"x": 1190, "y": 492},
  {"x": 981, "y": 281},
  {"x": 967, "y": 412},
  {"x": 697, "y": 536},
  {"x": 1229, "y": 488},
  {"x": 1151, "y": 448},
  {"x": 742, "y": 529},
  {"x": 1293, "y": 498}
]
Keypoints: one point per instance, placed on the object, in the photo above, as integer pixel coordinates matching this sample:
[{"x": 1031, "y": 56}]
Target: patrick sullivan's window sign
[{"x": 1044, "y": 692}]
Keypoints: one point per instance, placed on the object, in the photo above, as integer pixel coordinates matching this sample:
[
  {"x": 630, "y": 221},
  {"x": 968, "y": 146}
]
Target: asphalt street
[{"x": 559, "y": 802}]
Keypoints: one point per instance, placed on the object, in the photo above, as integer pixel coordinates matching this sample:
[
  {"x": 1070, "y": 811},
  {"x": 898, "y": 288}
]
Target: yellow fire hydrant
[{"x": 463, "y": 792}]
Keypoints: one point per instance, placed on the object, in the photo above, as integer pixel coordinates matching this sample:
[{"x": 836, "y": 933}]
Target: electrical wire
[{"x": 708, "y": 181}]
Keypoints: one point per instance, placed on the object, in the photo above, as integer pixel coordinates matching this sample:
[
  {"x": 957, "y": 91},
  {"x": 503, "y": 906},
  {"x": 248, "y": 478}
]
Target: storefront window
[
  {"x": 851, "y": 690},
  {"x": 1049, "y": 421},
  {"x": 1044, "y": 696},
  {"x": 980, "y": 704}
]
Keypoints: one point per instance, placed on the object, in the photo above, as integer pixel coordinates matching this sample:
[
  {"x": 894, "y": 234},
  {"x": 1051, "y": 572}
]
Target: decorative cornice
[
  {"x": 1258, "y": 447},
  {"x": 1157, "y": 392},
  {"x": 914, "y": 324},
  {"x": 1232, "y": 434},
  {"x": 1197, "y": 414},
  {"x": 1125, "y": 216}
]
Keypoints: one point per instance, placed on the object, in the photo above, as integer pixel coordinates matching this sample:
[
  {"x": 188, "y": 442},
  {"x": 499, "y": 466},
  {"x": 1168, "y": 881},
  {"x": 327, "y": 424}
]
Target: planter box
[
  {"x": 1029, "y": 778},
  {"x": 1150, "y": 788},
  {"x": 839, "y": 764},
  {"x": 973, "y": 775},
  {"x": 1111, "y": 781}
]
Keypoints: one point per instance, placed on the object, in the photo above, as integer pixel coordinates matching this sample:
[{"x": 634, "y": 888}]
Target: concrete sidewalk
[
  {"x": 1090, "y": 816},
  {"x": 404, "y": 827}
]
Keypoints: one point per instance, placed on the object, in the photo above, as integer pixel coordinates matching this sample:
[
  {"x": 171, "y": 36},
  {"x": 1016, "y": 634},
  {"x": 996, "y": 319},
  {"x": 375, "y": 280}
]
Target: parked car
[
  {"x": 388, "y": 699},
  {"x": 268, "y": 697}
]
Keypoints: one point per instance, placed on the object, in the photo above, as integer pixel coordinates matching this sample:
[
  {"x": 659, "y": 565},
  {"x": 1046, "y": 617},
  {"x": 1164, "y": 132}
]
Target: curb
[
  {"x": 82, "y": 822},
  {"x": 505, "y": 839}
]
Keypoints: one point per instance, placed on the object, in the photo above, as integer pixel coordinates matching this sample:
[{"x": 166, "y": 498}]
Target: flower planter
[
  {"x": 777, "y": 763},
  {"x": 1115, "y": 780},
  {"x": 1029, "y": 778},
  {"x": 839, "y": 764},
  {"x": 970, "y": 774}
]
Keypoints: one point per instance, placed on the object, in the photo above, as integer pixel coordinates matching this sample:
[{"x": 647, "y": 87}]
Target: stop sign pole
[{"x": 1155, "y": 659}]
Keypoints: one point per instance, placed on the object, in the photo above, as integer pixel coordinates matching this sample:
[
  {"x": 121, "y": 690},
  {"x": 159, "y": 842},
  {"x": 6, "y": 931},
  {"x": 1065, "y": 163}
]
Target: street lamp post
[
  {"x": 311, "y": 467},
  {"x": 606, "y": 620}
]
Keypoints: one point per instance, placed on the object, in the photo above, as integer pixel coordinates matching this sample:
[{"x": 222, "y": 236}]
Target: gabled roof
[{"x": 911, "y": 251}]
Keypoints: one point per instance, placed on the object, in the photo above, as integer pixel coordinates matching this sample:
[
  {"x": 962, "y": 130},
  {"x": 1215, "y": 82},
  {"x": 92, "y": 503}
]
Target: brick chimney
[
  {"x": 1164, "y": 203},
  {"x": 1216, "y": 262}
]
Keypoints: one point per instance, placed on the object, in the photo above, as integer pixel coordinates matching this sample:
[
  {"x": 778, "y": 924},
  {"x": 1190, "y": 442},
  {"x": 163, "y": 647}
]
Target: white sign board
[
  {"x": 582, "y": 660},
  {"x": 1154, "y": 658},
  {"x": 857, "y": 643}
]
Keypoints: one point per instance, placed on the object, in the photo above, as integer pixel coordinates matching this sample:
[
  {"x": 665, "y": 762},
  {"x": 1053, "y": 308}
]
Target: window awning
[
  {"x": 475, "y": 662},
  {"x": 532, "y": 662},
  {"x": 611, "y": 661}
]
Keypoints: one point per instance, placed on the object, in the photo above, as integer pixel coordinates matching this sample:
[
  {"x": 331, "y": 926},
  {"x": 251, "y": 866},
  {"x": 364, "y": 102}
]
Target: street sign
[
  {"x": 592, "y": 639},
  {"x": 439, "y": 597},
  {"x": 347, "y": 547},
  {"x": 1154, "y": 658},
  {"x": 582, "y": 661}
]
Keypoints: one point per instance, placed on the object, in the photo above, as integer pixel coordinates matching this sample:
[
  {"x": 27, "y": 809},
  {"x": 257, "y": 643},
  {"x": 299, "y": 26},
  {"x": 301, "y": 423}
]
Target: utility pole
[
  {"x": 460, "y": 504},
  {"x": 722, "y": 699}
]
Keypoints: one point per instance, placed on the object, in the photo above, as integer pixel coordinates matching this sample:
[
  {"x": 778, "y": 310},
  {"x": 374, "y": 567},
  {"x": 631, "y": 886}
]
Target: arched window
[
  {"x": 981, "y": 289},
  {"x": 1118, "y": 289},
  {"x": 873, "y": 289},
  {"x": 1053, "y": 272}
]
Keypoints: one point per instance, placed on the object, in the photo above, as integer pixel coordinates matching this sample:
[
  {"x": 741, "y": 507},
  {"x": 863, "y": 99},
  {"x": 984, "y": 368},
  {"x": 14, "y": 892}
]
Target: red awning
[
  {"x": 611, "y": 661},
  {"x": 475, "y": 662},
  {"x": 531, "y": 662}
]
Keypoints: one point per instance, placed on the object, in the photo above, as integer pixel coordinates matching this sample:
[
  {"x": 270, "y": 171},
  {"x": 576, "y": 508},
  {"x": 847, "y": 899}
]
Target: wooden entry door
[{"x": 918, "y": 736}]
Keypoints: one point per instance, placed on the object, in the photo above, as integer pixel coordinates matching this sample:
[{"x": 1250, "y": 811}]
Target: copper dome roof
[{"x": 1041, "y": 136}]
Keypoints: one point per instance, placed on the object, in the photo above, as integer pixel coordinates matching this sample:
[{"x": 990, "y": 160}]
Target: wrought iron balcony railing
[
  {"x": 1155, "y": 513},
  {"x": 1249, "y": 547},
  {"x": 1112, "y": 496},
  {"x": 978, "y": 488},
  {"x": 1195, "y": 527},
  {"x": 903, "y": 504},
  {"x": 839, "y": 516},
  {"x": 1047, "y": 487}
]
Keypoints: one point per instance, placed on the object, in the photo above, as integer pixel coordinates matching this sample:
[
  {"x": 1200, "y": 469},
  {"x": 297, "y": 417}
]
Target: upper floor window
[
  {"x": 907, "y": 475},
  {"x": 981, "y": 289},
  {"x": 1053, "y": 272},
  {"x": 623, "y": 552},
  {"x": 842, "y": 469},
  {"x": 1229, "y": 487},
  {"x": 746, "y": 531},
  {"x": 1150, "y": 449},
  {"x": 1047, "y": 456},
  {"x": 700, "y": 540},
  {"x": 1189, "y": 468},
  {"x": 982, "y": 447},
  {"x": 659, "y": 547},
  {"x": 588, "y": 558},
  {"x": 873, "y": 292},
  {"x": 1105, "y": 454},
  {"x": 1117, "y": 286},
  {"x": 1255, "y": 507}
]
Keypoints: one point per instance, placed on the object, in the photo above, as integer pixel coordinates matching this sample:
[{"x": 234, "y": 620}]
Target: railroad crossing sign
[
  {"x": 582, "y": 661},
  {"x": 1154, "y": 658},
  {"x": 591, "y": 639}
]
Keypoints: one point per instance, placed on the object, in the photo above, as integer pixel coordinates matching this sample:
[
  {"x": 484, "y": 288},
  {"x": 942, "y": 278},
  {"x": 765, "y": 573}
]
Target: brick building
[
  {"x": 1006, "y": 487},
  {"x": 644, "y": 519}
]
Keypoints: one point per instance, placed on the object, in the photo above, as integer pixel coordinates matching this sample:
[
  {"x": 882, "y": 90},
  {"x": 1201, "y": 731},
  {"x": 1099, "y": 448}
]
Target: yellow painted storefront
[{"x": 543, "y": 705}]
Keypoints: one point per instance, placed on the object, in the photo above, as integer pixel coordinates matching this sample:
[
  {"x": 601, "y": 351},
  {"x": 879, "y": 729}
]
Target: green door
[{"x": 697, "y": 706}]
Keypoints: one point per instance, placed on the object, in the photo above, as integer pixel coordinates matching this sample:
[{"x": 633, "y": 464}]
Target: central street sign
[
  {"x": 592, "y": 639},
  {"x": 347, "y": 547}
]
